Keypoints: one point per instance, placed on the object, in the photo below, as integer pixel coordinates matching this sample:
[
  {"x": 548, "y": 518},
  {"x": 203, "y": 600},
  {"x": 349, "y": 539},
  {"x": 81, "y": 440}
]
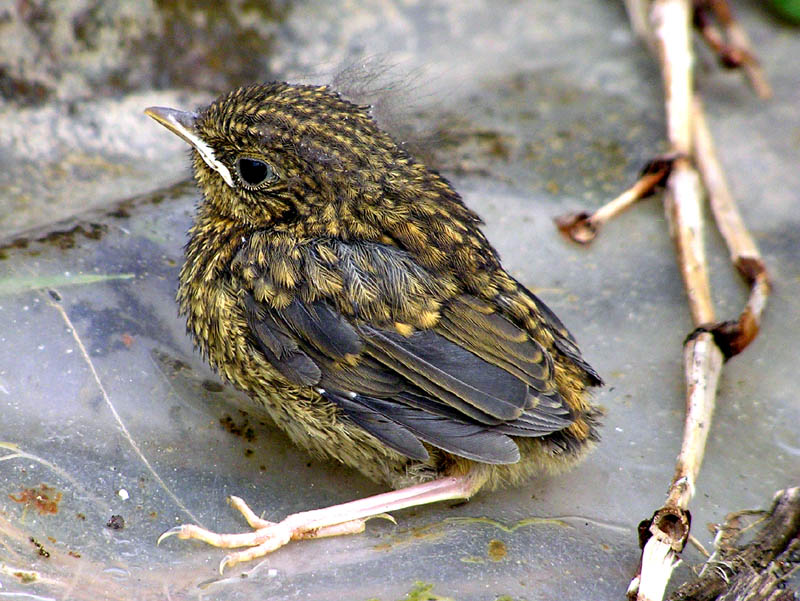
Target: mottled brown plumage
[{"x": 347, "y": 289}]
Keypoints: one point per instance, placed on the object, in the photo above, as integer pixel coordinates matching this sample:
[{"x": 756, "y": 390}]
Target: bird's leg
[
  {"x": 257, "y": 523},
  {"x": 347, "y": 518}
]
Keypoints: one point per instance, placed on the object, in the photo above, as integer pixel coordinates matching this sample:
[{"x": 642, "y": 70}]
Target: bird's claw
[
  {"x": 174, "y": 531},
  {"x": 224, "y": 563},
  {"x": 383, "y": 516}
]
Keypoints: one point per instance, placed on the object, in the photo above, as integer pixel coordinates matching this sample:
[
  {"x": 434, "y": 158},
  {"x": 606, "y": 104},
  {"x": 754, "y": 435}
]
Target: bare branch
[
  {"x": 665, "y": 534},
  {"x": 732, "y": 44},
  {"x": 582, "y": 227},
  {"x": 732, "y": 336}
]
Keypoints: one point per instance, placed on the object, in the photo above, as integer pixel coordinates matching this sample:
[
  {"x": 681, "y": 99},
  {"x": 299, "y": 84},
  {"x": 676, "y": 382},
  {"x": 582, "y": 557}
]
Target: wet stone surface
[{"x": 531, "y": 112}]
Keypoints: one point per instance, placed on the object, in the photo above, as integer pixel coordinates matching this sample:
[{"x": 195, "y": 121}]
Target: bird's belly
[{"x": 316, "y": 425}]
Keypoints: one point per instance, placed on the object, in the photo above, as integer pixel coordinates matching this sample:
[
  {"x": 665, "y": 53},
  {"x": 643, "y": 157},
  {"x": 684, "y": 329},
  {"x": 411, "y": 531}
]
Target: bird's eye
[{"x": 254, "y": 173}]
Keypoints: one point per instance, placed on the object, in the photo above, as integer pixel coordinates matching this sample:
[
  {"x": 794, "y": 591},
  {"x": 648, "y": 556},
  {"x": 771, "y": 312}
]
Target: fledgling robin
[{"x": 347, "y": 289}]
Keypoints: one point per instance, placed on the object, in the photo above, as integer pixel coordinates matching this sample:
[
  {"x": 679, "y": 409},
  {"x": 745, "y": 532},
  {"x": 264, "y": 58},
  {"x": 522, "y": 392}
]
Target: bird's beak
[{"x": 184, "y": 125}]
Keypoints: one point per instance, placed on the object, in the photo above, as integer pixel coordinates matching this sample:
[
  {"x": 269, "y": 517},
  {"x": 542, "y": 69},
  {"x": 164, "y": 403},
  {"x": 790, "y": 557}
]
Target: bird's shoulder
[{"x": 375, "y": 283}]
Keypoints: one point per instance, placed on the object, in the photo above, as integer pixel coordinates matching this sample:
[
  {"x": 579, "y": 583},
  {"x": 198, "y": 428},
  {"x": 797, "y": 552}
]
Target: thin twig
[
  {"x": 582, "y": 227},
  {"x": 682, "y": 208},
  {"x": 741, "y": 48},
  {"x": 665, "y": 534},
  {"x": 693, "y": 540},
  {"x": 732, "y": 337},
  {"x": 702, "y": 365},
  {"x": 731, "y": 45}
]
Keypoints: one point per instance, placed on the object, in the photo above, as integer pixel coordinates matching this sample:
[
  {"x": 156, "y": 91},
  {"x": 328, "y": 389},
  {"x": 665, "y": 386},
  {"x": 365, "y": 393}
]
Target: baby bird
[{"x": 345, "y": 287}]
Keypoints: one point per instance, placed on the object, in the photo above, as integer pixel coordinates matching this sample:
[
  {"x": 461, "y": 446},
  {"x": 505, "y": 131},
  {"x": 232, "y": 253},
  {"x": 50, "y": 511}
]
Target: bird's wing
[
  {"x": 563, "y": 339},
  {"x": 463, "y": 384}
]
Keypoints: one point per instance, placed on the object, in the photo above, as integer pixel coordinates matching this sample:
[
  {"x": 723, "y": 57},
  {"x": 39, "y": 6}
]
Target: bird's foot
[
  {"x": 266, "y": 536},
  {"x": 347, "y": 518}
]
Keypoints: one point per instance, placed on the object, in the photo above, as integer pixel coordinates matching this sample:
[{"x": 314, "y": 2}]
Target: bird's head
[{"x": 279, "y": 151}]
